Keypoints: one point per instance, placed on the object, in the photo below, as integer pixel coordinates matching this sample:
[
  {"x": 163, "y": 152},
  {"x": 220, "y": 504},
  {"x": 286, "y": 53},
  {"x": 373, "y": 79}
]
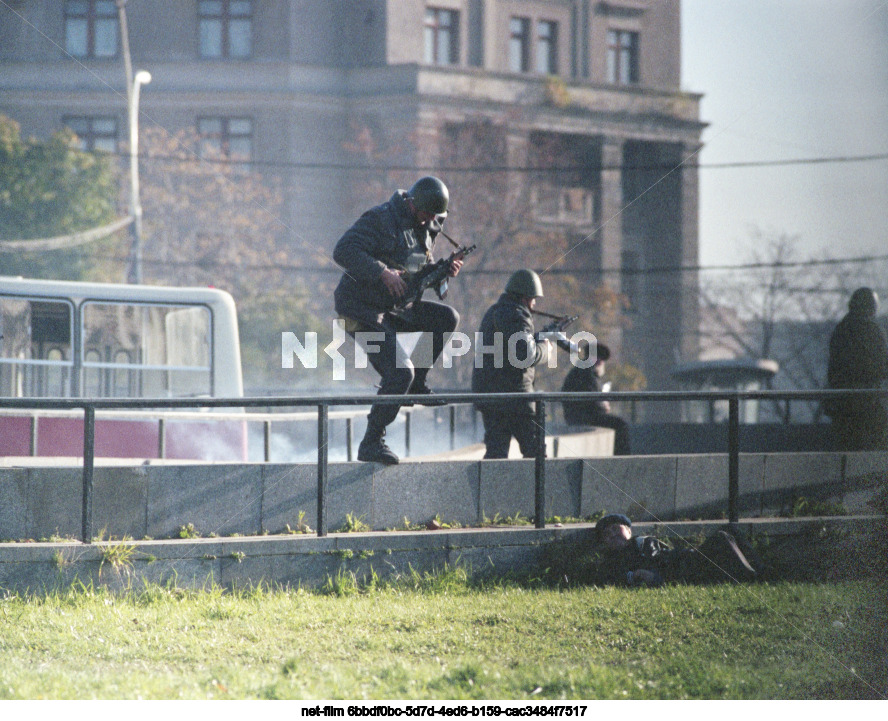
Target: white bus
[{"x": 63, "y": 339}]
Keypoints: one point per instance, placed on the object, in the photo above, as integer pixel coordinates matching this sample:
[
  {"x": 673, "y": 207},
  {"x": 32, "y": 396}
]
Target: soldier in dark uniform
[
  {"x": 508, "y": 327},
  {"x": 858, "y": 358},
  {"x": 374, "y": 254}
]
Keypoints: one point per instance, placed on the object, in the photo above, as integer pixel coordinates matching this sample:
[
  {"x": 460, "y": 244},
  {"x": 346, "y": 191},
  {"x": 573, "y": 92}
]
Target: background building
[{"x": 560, "y": 125}]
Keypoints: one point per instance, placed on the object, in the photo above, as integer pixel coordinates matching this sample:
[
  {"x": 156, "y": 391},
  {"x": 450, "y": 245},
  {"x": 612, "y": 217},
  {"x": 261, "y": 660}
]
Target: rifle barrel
[{"x": 549, "y": 315}]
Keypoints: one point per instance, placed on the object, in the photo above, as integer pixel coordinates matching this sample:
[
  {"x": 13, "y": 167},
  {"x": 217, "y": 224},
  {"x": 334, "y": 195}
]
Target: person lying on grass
[{"x": 647, "y": 561}]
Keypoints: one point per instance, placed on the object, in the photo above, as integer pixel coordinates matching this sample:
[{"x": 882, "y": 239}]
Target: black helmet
[
  {"x": 864, "y": 301},
  {"x": 525, "y": 283},
  {"x": 430, "y": 194}
]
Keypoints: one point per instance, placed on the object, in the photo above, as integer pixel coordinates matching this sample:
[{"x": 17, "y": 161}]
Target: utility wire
[
  {"x": 64, "y": 242},
  {"x": 507, "y": 271},
  {"x": 441, "y": 168}
]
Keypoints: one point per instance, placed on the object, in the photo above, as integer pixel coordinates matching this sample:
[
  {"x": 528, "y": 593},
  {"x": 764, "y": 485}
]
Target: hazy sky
[{"x": 790, "y": 79}]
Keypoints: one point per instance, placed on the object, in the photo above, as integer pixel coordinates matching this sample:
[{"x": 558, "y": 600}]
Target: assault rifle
[
  {"x": 434, "y": 275},
  {"x": 554, "y": 330}
]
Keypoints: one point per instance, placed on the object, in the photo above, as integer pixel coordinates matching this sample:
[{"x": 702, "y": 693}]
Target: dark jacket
[
  {"x": 642, "y": 552},
  {"x": 578, "y": 413},
  {"x": 383, "y": 237},
  {"x": 858, "y": 358},
  {"x": 723, "y": 556},
  {"x": 509, "y": 317}
]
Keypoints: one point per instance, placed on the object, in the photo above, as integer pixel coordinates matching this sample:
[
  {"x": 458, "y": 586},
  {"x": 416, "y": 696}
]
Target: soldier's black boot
[{"x": 374, "y": 450}]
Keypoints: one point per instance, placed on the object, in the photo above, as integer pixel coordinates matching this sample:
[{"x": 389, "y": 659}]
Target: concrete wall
[
  {"x": 309, "y": 562},
  {"x": 155, "y": 501}
]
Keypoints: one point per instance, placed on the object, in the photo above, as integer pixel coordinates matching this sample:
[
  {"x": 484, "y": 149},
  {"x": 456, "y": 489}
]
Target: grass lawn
[{"x": 442, "y": 637}]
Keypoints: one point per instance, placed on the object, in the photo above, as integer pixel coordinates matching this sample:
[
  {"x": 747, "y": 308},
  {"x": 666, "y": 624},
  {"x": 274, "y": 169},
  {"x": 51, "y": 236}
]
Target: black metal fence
[{"x": 89, "y": 406}]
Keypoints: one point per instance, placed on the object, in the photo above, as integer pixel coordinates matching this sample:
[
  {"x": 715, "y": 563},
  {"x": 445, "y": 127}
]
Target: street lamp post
[{"x": 143, "y": 77}]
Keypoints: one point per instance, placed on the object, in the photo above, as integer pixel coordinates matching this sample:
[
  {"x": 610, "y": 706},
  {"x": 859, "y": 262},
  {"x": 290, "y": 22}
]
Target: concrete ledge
[
  {"x": 309, "y": 561},
  {"x": 154, "y": 501}
]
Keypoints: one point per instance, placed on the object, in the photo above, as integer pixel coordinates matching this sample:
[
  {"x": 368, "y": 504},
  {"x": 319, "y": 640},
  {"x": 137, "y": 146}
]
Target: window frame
[
  {"x": 91, "y": 138},
  {"x": 225, "y": 137},
  {"x": 225, "y": 19},
  {"x": 519, "y": 44},
  {"x": 549, "y": 43},
  {"x": 33, "y": 375},
  {"x": 91, "y": 20},
  {"x": 109, "y": 374},
  {"x": 434, "y": 31},
  {"x": 623, "y": 58}
]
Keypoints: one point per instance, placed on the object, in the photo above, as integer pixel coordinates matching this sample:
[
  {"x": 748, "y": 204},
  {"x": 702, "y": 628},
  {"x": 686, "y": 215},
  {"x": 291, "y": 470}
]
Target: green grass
[{"x": 441, "y": 637}]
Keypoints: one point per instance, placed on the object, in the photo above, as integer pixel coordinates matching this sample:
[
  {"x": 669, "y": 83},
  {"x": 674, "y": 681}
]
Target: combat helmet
[
  {"x": 430, "y": 194},
  {"x": 525, "y": 283}
]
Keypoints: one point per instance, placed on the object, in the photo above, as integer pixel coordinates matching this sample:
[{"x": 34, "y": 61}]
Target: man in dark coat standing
[
  {"x": 506, "y": 352},
  {"x": 858, "y": 358},
  {"x": 386, "y": 242}
]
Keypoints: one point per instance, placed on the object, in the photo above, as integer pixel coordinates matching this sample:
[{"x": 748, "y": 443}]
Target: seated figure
[{"x": 594, "y": 412}]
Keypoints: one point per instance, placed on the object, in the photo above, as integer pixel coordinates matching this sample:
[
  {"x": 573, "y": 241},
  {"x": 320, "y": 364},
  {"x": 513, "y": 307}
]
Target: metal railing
[
  {"x": 266, "y": 419},
  {"x": 323, "y": 404}
]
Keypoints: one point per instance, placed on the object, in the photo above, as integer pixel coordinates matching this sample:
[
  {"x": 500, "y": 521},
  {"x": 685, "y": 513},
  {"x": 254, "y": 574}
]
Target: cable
[
  {"x": 64, "y": 242},
  {"x": 477, "y": 169},
  {"x": 660, "y": 270}
]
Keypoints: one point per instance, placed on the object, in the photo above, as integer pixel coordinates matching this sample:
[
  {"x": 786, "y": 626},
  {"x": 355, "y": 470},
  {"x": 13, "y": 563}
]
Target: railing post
[
  {"x": 161, "y": 438},
  {"x": 349, "y": 439},
  {"x": 407, "y": 416},
  {"x": 33, "y": 435},
  {"x": 452, "y": 427},
  {"x": 89, "y": 439},
  {"x": 323, "y": 439},
  {"x": 540, "y": 490},
  {"x": 266, "y": 440},
  {"x": 733, "y": 459}
]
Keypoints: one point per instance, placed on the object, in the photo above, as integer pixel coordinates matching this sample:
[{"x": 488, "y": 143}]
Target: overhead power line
[
  {"x": 689, "y": 162},
  {"x": 63, "y": 242},
  {"x": 507, "y": 271}
]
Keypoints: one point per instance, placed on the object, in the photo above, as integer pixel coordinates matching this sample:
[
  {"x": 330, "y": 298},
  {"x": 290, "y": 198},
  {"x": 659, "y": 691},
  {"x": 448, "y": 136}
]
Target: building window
[
  {"x": 225, "y": 28},
  {"x": 563, "y": 205},
  {"x": 441, "y": 30},
  {"x": 230, "y": 138},
  {"x": 519, "y": 45},
  {"x": 36, "y": 348},
  {"x": 91, "y": 28},
  {"x": 547, "y": 47},
  {"x": 94, "y": 133},
  {"x": 622, "y": 57}
]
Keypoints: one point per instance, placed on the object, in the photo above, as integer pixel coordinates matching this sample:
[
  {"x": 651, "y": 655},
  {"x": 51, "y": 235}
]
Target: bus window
[
  {"x": 188, "y": 344},
  {"x": 92, "y": 374},
  {"x": 147, "y": 350},
  {"x": 35, "y": 348},
  {"x": 122, "y": 381}
]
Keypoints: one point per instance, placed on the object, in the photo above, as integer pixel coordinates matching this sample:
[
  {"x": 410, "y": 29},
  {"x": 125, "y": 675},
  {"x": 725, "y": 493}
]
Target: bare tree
[
  {"x": 781, "y": 307},
  {"x": 493, "y": 207},
  {"x": 210, "y": 220}
]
